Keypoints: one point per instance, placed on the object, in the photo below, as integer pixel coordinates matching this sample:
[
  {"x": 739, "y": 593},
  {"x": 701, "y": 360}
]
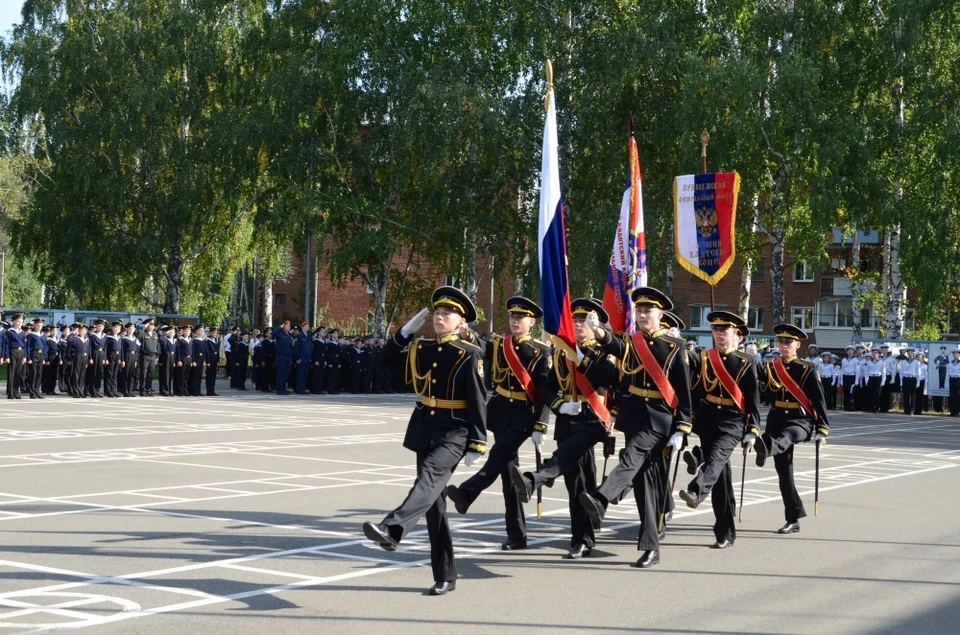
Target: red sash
[
  {"x": 517, "y": 368},
  {"x": 587, "y": 391},
  {"x": 793, "y": 387},
  {"x": 652, "y": 367},
  {"x": 726, "y": 379}
]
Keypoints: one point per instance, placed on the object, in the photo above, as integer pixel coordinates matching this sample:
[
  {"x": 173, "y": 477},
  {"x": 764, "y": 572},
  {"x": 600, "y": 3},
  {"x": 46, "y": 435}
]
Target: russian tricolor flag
[
  {"x": 554, "y": 289},
  {"x": 628, "y": 261}
]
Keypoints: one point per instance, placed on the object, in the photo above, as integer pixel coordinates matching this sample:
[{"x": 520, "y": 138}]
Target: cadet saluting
[
  {"x": 448, "y": 423},
  {"x": 798, "y": 406}
]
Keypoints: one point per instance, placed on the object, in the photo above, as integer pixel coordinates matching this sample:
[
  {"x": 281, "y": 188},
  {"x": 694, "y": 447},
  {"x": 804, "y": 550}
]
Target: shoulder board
[
  {"x": 470, "y": 346},
  {"x": 424, "y": 340}
]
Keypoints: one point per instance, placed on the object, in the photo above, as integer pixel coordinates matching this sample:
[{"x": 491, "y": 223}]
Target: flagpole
[
  {"x": 704, "y": 140},
  {"x": 548, "y": 71}
]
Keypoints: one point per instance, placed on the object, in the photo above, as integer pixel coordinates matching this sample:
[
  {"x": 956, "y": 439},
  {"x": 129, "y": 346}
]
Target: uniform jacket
[
  {"x": 284, "y": 343},
  {"x": 505, "y": 409},
  {"x": 806, "y": 376},
  {"x": 714, "y": 405},
  {"x": 561, "y": 387}
]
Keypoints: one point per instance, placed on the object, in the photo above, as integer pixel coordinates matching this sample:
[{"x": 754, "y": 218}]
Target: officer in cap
[
  {"x": 729, "y": 408},
  {"x": 448, "y": 424},
  {"x": 654, "y": 414},
  {"x": 798, "y": 414},
  {"x": 518, "y": 409}
]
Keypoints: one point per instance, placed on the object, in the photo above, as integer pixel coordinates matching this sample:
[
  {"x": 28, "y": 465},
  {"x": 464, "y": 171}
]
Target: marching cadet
[
  {"x": 114, "y": 356},
  {"x": 198, "y": 368},
  {"x": 317, "y": 360},
  {"x": 517, "y": 410},
  {"x": 213, "y": 361},
  {"x": 333, "y": 362},
  {"x": 849, "y": 367},
  {"x": 284, "y": 355},
  {"x": 36, "y": 356},
  {"x": 303, "y": 349},
  {"x": 798, "y": 414},
  {"x": 892, "y": 381},
  {"x": 729, "y": 409},
  {"x": 241, "y": 353},
  {"x": 909, "y": 373},
  {"x": 98, "y": 359},
  {"x": 582, "y": 420},
  {"x": 80, "y": 359},
  {"x": 953, "y": 376},
  {"x": 63, "y": 346},
  {"x": 654, "y": 414},
  {"x": 149, "y": 353},
  {"x": 829, "y": 376},
  {"x": 875, "y": 370},
  {"x": 448, "y": 424},
  {"x": 166, "y": 359},
  {"x": 53, "y": 361},
  {"x": 130, "y": 348},
  {"x": 184, "y": 361}
]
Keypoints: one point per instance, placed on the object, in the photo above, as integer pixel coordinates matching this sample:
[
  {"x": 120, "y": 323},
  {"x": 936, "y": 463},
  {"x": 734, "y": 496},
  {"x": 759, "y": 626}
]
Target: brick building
[
  {"x": 817, "y": 299},
  {"x": 351, "y": 307}
]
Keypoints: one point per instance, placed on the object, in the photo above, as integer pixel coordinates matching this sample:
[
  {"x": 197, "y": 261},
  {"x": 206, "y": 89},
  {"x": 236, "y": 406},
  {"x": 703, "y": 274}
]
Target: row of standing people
[{"x": 646, "y": 385}]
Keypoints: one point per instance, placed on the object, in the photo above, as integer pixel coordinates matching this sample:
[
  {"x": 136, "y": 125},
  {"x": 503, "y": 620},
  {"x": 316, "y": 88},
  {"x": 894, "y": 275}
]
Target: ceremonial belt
[
  {"x": 874, "y": 375},
  {"x": 726, "y": 380},
  {"x": 789, "y": 405},
  {"x": 652, "y": 368},
  {"x": 720, "y": 401},
  {"x": 587, "y": 391},
  {"x": 518, "y": 369},
  {"x": 452, "y": 404},
  {"x": 509, "y": 394},
  {"x": 643, "y": 392},
  {"x": 792, "y": 386}
]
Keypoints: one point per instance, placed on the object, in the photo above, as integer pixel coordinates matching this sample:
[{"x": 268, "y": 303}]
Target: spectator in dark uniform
[
  {"x": 333, "y": 362},
  {"x": 213, "y": 361},
  {"x": 318, "y": 356},
  {"x": 114, "y": 357},
  {"x": 36, "y": 357},
  {"x": 184, "y": 361},
  {"x": 130, "y": 366},
  {"x": 63, "y": 372},
  {"x": 198, "y": 368},
  {"x": 98, "y": 360},
  {"x": 303, "y": 351},
  {"x": 241, "y": 353},
  {"x": 53, "y": 359},
  {"x": 166, "y": 359},
  {"x": 269, "y": 361},
  {"x": 149, "y": 352}
]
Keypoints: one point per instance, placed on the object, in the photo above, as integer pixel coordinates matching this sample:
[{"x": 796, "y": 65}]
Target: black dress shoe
[
  {"x": 690, "y": 499},
  {"x": 594, "y": 508},
  {"x": 690, "y": 461},
  {"x": 648, "y": 559},
  {"x": 662, "y": 534},
  {"x": 760, "y": 447},
  {"x": 669, "y": 516},
  {"x": 578, "y": 552},
  {"x": 514, "y": 545},
  {"x": 722, "y": 544},
  {"x": 789, "y": 528},
  {"x": 380, "y": 534},
  {"x": 442, "y": 588},
  {"x": 459, "y": 500},
  {"x": 524, "y": 486}
]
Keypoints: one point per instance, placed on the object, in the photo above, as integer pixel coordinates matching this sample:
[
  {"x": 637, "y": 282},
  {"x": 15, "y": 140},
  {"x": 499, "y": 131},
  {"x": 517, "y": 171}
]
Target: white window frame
[
  {"x": 803, "y": 315},
  {"x": 808, "y": 274},
  {"x": 753, "y": 323},
  {"x": 703, "y": 324}
]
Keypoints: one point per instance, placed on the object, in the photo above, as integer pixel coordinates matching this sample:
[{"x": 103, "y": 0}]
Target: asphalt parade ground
[{"x": 242, "y": 514}]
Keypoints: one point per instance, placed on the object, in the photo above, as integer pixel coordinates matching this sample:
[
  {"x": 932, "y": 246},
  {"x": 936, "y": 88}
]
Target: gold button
[
  {"x": 433, "y": 412},
  {"x": 646, "y": 398},
  {"x": 516, "y": 348},
  {"x": 672, "y": 344},
  {"x": 439, "y": 348},
  {"x": 434, "y": 364},
  {"x": 433, "y": 381},
  {"x": 419, "y": 346},
  {"x": 511, "y": 401}
]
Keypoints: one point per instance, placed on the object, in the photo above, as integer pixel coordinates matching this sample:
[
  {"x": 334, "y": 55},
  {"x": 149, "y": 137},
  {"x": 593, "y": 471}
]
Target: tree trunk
[
  {"x": 668, "y": 282},
  {"x": 777, "y": 254},
  {"x": 856, "y": 289},
  {"x": 175, "y": 266},
  {"x": 896, "y": 292},
  {"x": 267, "y": 301},
  {"x": 377, "y": 281},
  {"x": 469, "y": 285}
]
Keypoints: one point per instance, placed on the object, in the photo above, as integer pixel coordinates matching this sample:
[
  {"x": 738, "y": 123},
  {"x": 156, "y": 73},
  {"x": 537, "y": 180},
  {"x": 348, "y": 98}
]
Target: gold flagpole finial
[
  {"x": 548, "y": 71},
  {"x": 704, "y": 140}
]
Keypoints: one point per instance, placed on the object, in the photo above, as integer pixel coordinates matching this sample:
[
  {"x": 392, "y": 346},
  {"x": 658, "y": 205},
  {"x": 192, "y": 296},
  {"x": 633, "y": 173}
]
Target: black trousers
[
  {"x": 15, "y": 372},
  {"x": 239, "y": 378},
  {"x": 885, "y": 391},
  {"x": 642, "y": 466},
  {"x": 78, "y": 376},
  {"x": 333, "y": 379},
  {"x": 48, "y": 384},
  {"x": 829, "y": 392},
  {"x": 166, "y": 376},
  {"x": 195, "y": 379},
  {"x": 502, "y": 457},
  {"x": 131, "y": 374},
  {"x": 873, "y": 394},
  {"x": 781, "y": 435},
  {"x": 111, "y": 376},
  {"x": 848, "y": 392},
  {"x": 147, "y": 364},
  {"x": 63, "y": 376},
  {"x": 954, "y": 400},
  {"x": 95, "y": 375},
  {"x": 715, "y": 476},
  {"x": 428, "y": 497},
  {"x": 909, "y": 395},
  {"x": 211, "y": 378},
  {"x": 180, "y": 375}
]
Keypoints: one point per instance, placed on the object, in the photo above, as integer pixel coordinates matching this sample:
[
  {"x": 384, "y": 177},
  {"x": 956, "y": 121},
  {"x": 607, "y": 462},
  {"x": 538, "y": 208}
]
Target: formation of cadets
[
  {"x": 648, "y": 385},
  {"x": 123, "y": 359}
]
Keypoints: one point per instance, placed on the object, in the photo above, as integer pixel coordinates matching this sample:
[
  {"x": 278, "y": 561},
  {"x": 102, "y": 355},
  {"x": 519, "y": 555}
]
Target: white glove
[
  {"x": 748, "y": 440},
  {"x": 675, "y": 441},
  {"x": 415, "y": 323},
  {"x": 580, "y": 356},
  {"x": 613, "y": 422},
  {"x": 570, "y": 408},
  {"x": 471, "y": 459},
  {"x": 593, "y": 320},
  {"x": 537, "y": 438},
  {"x": 819, "y": 437}
]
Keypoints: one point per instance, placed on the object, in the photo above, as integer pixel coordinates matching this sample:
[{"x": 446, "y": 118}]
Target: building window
[
  {"x": 838, "y": 264},
  {"x": 755, "y": 319},
  {"x": 802, "y": 317},
  {"x": 279, "y": 299},
  {"x": 450, "y": 281},
  {"x": 909, "y": 320},
  {"x": 759, "y": 270},
  {"x": 953, "y": 323},
  {"x": 698, "y": 317},
  {"x": 802, "y": 272},
  {"x": 835, "y": 313}
]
